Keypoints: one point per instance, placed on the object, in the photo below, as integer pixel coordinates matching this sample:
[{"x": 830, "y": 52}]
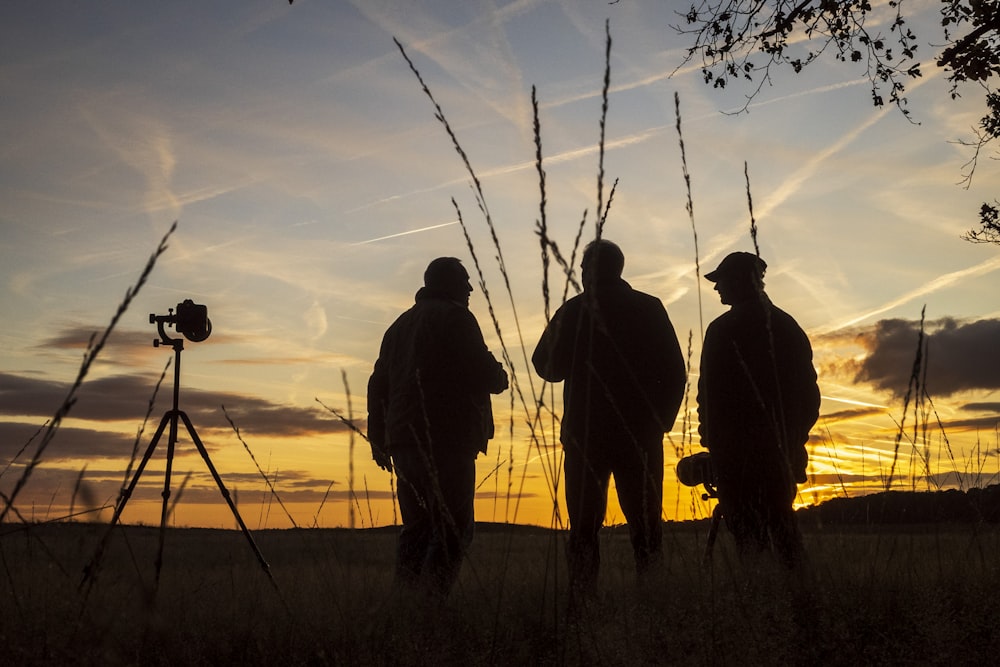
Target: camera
[
  {"x": 190, "y": 320},
  {"x": 696, "y": 469}
]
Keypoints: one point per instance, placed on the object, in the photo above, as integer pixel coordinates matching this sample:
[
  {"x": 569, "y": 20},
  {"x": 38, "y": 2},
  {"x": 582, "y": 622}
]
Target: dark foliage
[
  {"x": 910, "y": 507},
  {"x": 744, "y": 39}
]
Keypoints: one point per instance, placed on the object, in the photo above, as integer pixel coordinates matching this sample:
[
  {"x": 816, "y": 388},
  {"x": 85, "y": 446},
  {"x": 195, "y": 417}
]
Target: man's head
[
  {"x": 740, "y": 276},
  {"x": 447, "y": 276},
  {"x": 603, "y": 262}
]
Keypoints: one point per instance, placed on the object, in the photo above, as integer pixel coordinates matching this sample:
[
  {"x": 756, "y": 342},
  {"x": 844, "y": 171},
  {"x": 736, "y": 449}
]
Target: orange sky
[{"x": 311, "y": 184}]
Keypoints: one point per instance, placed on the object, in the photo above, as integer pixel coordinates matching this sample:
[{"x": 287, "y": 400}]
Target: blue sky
[{"x": 312, "y": 184}]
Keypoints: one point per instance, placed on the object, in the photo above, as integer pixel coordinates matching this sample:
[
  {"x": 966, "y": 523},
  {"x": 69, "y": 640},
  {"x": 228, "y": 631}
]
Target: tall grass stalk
[
  {"x": 264, "y": 476},
  {"x": 546, "y": 248},
  {"x": 76, "y": 489},
  {"x": 22, "y": 450},
  {"x": 550, "y": 456},
  {"x": 94, "y": 348},
  {"x": 542, "y": 224},
  {"x": 480, "y": 198},
  {"x": 350, "y": 450},
  {"x": 481, "y": 202},
  {"x": 913, "y": 386},
  {"x": 753, "y": 220},
  {"x": 326, "y": 496},
  {"x": 689, "y": 206},
  {"x": 355, "y": 429},
  {"x": 150, "y": 405},
  {"x": 603, "y": 125}
]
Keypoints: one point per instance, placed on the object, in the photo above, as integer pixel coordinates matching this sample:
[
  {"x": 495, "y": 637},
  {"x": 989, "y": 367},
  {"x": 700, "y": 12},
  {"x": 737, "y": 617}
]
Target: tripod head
[{"x": 191, "y": 320}]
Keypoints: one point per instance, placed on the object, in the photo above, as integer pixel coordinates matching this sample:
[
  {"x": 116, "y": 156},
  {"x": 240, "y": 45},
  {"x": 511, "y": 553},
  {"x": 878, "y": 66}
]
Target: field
[{"x": 913, "y": 595}]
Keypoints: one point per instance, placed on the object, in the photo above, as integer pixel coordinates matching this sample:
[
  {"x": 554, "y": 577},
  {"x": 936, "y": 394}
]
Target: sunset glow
[{"x": 311, "y": 185}]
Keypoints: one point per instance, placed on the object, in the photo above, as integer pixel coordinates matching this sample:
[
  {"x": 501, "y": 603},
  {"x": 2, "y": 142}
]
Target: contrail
[
  {"x": 526, "y": 165},
  {"x": 934, "y": 285},
  {"x": 793, "y": 183},
  {"x": 406, "y": 233}
]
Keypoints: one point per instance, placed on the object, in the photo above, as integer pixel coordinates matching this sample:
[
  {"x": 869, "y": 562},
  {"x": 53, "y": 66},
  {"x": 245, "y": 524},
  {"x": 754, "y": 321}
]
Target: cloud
[
  {"x": 100, "y": 486},
  {"x": 988, "y": 423},
  {"x": 70, "y": 444},
  {"x": 126, "y": 398},
  {"x": 848, "y": 415},
  {"x": 982, "y": 407},
  {"x": 960, "y": 356}
]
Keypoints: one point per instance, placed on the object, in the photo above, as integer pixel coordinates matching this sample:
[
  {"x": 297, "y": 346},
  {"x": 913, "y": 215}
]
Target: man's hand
[
  {"x": 501, "y": 382},
  {"x": 382, "y": 458}
]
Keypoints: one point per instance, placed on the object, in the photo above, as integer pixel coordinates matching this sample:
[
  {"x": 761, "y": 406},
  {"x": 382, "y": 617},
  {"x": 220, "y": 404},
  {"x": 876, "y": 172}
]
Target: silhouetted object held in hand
[
  {"x": 429, "y": 414},
  {"x": 757, "y": 401},
  {"x": 624, "y": 374}
]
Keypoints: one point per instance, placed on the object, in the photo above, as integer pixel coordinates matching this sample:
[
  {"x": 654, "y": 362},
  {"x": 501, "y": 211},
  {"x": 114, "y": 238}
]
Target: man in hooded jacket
[{"x": 429, "y": 414}]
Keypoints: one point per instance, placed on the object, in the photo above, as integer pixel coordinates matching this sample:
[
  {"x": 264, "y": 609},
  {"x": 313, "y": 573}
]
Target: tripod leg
[
  {"x": 123, "y": 498},
  {"x": 225, "y": 492},
  {"x": 164, "y": 507},
  {"x": 713, "y": 532}
]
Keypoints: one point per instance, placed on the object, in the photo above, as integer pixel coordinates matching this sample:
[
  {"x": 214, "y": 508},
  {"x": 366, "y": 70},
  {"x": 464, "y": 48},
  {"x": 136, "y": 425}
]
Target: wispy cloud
[
  {"x": 142, "y": 142},
  {"x": 477, "y": 52},
  {"x": 939, "y": 283}
]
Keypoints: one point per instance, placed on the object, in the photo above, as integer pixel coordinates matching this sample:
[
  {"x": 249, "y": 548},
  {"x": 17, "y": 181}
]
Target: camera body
[
  {"x": 190, "y": 320},
  {"x": 696, "y": 469}
]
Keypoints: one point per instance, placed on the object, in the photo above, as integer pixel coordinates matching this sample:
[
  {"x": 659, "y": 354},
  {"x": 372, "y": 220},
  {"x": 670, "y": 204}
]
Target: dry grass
[{"x": 890, "y": 596}]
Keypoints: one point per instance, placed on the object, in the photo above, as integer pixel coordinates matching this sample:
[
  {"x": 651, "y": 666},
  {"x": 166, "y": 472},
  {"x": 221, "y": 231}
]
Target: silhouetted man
[
  {"x": 757, "y": 401},
  {"x": 625, "y": 375},
  {"x": 429, "y": 413}
]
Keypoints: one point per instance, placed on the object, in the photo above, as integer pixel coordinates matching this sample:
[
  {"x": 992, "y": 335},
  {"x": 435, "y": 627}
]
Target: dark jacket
[
  {"x": 616, "y": 349},
  {"x": 757, "y": 394},
  {"x": 432, "y": 380}
]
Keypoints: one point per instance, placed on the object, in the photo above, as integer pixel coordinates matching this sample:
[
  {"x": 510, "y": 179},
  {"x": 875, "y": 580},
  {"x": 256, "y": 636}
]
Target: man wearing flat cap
[
  {"x": 757, "y": 401},
  {"x": 429, "y": 414}
]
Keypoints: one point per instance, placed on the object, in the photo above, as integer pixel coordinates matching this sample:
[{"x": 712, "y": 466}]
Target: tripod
[
  {"x": 713, "y": 530},
  {"x": 171, "y": 419}
]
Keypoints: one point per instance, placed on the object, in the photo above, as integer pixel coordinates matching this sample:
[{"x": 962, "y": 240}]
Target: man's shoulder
[
  {"x": 623, "y": 291},
  {"x": 571, "y": 305},
  {"x": 649, "y": 300},
  {"x": 425, "y": 309},
  {"x": 778, "y": 313},
  {"x": 783, "y": 321},
  {"x": 722, "y": 321},
  {"x": 438, "y": 305},
  {"x": 649, "y": 309}
]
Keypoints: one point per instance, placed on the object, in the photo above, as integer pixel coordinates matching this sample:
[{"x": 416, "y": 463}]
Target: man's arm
[
  {"x": 709, "y": 376},
  {"x": 674, "y": 371},
  {"x": 546, "y": 356},
  {"x": 475, "y": 359},
  {"x": 378, "y": 397}
]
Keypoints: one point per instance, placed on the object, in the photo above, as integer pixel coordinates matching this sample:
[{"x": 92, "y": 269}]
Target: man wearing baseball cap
[{"x": 757, "y": 401}]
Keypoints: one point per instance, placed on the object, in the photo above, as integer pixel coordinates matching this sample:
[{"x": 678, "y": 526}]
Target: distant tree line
[{"x": 909, "y": 507}]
